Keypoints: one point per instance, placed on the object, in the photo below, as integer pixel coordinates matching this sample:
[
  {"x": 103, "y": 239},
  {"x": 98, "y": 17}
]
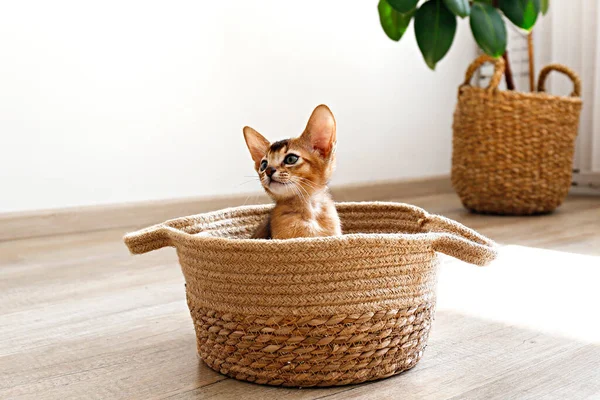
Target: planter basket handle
[
  {"x": 458, "y": 241},
  {"x": 565, "y": 70},
  {"x": 479, "y": 61}
]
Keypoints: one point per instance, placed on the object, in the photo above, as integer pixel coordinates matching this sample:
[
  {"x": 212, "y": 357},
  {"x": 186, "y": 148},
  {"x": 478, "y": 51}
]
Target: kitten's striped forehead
[
  {"x": 277, "y": 151},
  {"x": 280, "y": 145}
]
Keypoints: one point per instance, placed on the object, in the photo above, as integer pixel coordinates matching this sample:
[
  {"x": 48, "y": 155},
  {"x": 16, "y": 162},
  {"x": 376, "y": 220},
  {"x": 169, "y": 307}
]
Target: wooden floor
[{"x": 81, "y": 318}]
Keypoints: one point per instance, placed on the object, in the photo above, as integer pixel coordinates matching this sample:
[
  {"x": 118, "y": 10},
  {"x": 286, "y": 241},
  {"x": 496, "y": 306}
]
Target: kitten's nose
[{"x": 270, "y": 171}]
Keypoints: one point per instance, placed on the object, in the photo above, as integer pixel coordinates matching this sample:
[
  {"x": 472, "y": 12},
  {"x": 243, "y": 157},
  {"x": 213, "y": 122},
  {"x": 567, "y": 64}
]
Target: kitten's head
[{"x": 300, "y": 166}]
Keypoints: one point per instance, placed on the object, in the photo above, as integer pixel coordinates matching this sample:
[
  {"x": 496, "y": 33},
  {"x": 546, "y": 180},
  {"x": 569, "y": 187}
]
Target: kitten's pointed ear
[
  {"x": 320, "y": 130},
  {"x": 256, "y": 143}
]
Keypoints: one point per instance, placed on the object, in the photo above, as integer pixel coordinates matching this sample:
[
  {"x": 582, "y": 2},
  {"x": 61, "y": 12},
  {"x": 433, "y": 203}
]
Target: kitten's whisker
[
  {"x": 301, "y": 197},
  {"x": 299, "y": 183},
  {"x": 309, "y": 183},
  {"x": 297, "y": 190},
  {"x": 296, "y": 183},
  {"x": 253, "y": 196},
  {"x": 243, "y": 183},
  {"x": 303, "y": 189},
  {"x": 292, "y": 185}
]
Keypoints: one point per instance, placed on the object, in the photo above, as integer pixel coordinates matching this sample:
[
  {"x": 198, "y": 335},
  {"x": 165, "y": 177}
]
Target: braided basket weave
[
  {"x": 513, "y": 152},
  {"x": 313, "y": 311}
]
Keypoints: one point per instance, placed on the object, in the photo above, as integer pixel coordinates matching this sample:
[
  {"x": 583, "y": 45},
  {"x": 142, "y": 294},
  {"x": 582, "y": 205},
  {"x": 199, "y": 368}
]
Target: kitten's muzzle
[{"x": 270, "y": 171}]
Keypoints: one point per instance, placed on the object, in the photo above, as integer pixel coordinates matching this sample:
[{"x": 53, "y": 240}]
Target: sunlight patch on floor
[{"x": 544, "y": 290}]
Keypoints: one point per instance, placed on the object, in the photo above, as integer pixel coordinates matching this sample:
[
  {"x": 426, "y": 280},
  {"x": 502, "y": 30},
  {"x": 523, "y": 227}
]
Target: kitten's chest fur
[{"x": 297, "y": 217}]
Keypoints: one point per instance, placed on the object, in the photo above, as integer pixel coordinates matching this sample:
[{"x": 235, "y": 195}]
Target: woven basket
[
  {"x": 513, "y": 152},
  {"x": 313, "y": 311}
]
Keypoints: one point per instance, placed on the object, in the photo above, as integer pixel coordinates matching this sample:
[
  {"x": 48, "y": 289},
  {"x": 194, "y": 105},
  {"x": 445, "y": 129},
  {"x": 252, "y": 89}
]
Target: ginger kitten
[{"x": 295, "y": 173}]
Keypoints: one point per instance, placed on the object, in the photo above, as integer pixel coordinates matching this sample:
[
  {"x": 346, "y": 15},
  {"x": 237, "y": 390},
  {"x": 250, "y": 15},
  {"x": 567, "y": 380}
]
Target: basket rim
[
  {"x": 275, "y": 244},
  {"x": 433, "y": 233},
  {"x": 538, "y": 96},
  {"x": 419, "y": 215},
  {"x": 175, "y": 228}
]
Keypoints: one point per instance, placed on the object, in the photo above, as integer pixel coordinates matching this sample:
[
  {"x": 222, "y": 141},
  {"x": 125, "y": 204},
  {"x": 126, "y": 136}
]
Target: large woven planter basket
[
  {"x": 513, "y": 152},
  {"x": 313, "y": 311}
]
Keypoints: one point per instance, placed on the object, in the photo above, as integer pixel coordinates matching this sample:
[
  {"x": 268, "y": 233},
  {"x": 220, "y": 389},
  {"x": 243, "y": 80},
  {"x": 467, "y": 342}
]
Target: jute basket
[
  {"x": 513, "y": 152},
  {"x": 313, "y": 311}
]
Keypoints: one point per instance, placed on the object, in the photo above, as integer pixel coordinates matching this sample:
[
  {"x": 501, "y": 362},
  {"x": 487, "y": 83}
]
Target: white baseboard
[{"x": 586, "y": 183}]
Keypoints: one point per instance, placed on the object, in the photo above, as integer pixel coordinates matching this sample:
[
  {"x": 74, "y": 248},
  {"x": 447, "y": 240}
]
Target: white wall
[{"x": 119, "y": 101}]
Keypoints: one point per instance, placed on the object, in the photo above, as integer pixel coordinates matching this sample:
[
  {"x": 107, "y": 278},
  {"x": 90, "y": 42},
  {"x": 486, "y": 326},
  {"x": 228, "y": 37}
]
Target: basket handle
[
  {"x": 460, "y": 242},
  {"x": 152, "y": 238},
  {"x": 479, "y": 61},
  {"x": 565, "y": 70}
]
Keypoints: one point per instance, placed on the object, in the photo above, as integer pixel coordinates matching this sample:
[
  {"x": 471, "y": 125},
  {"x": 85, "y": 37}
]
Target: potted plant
[{"x": 512, "y": 152}]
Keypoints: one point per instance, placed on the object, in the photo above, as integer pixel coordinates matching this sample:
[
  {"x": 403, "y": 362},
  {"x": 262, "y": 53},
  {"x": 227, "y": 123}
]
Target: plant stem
[
  {"x": 510, "y": 84},
  {"x": 531, "y": 66}
]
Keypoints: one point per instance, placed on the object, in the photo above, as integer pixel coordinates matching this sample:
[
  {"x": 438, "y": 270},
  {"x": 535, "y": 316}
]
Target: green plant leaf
[
  {"x": 459, "y": 8},
  {"x": 545, "y": 5},
  {"x": 488, "y": 29},
  {"x": 403, "y": 6},
  {"x": 393, "y": 23},
  {"x": 522, "y": 13},
  {"x": 435, "y": 27}
]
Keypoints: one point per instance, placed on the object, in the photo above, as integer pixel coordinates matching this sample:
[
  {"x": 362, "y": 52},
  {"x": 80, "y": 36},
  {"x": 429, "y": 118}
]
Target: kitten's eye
[
  {"x": 290, "y": 159},
  {"x": 263, "y": 165}
]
